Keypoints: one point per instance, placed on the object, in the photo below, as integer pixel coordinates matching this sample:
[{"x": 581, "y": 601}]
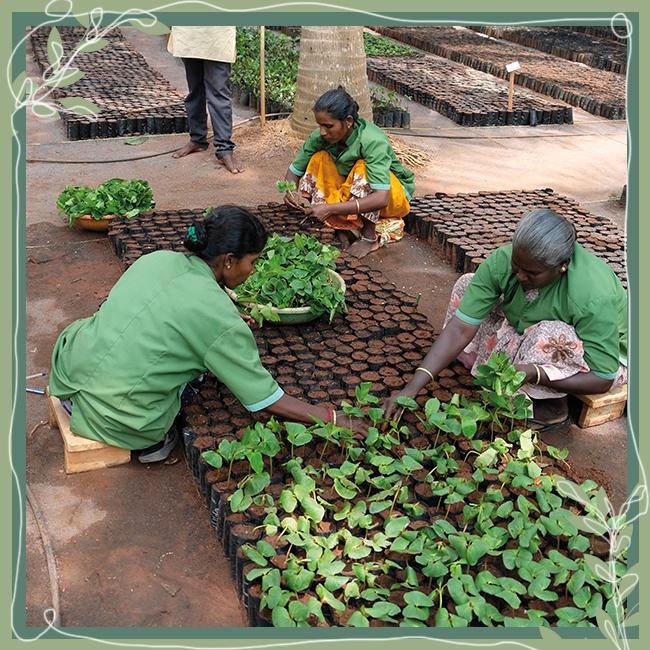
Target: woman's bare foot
[
  {"x": 345, "y": 237},
  {"x": 362, "y": 247},
  {"x": 190, "y": 147},
  {"x": 229, "y": 162}
]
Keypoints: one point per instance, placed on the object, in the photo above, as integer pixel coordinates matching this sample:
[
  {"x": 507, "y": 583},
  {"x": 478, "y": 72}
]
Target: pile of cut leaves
[
  {"x": 455, "y": 515},
  {"x": 292, "y": 272},
  {"x": 124, "y": 198}
]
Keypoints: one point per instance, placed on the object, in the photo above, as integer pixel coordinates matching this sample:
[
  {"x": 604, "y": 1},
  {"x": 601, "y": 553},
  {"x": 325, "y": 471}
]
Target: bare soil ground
[{"x": 133, "y": 544}]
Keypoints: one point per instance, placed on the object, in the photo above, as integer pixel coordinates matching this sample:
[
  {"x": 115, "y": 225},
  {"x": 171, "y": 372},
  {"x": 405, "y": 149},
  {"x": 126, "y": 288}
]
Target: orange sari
[{"x": 322, "y": 183}]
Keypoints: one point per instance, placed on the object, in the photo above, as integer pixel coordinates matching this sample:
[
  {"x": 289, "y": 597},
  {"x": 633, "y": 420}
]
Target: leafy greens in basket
[
  {"x": 115, "y": 196},
  {"x": 292, "y": 272}
]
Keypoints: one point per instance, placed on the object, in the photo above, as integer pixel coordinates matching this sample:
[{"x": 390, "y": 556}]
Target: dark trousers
[{"x": 209, "y": 81}]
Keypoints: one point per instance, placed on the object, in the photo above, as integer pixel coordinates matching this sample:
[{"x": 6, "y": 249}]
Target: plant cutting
[{"x": 289, "y": 187}]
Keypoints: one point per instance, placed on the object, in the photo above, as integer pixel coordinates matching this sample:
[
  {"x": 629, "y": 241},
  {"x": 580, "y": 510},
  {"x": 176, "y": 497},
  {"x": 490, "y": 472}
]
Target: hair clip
[{"x": 191, "y": 234}]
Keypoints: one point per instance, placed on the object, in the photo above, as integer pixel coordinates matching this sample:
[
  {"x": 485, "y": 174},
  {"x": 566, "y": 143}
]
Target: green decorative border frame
[{"x": 16, "y": 17}]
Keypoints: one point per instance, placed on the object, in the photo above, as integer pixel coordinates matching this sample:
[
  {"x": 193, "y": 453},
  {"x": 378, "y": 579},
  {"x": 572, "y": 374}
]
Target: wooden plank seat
[
  {"x": 82, "y": 454},
  {"x": 602, "y": 407}
]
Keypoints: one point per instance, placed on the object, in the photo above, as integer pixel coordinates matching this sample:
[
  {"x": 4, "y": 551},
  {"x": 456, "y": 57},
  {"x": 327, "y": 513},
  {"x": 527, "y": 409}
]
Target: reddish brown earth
[{"x": 133, "y": 544}]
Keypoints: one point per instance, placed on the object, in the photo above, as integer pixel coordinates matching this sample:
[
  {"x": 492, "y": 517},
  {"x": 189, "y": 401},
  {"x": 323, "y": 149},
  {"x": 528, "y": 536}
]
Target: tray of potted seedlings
[
  {"x": 453, "y": 514},
  {"x": 388, "y": 110}
]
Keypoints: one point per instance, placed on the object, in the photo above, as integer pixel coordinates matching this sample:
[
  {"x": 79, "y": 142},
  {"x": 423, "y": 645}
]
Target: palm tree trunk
[{"x": 329, "y": 57}]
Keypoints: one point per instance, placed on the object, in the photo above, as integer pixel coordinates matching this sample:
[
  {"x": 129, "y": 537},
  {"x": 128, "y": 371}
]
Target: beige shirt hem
[{"x": 210, "y": 43}]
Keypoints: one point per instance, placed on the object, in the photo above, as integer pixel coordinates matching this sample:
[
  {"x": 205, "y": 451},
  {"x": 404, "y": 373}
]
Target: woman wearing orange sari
[{"x": 352, "y": 177}]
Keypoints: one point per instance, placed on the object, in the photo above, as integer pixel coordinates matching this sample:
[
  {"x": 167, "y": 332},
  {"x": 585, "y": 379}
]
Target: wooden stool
[
  {"x": 82, "y": 454},
  {"x": 602, "y": 407}
]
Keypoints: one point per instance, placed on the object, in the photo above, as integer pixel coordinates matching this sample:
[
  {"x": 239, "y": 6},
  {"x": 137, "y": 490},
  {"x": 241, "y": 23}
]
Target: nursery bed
[
  {"x": 407, "y": 528},
  {"x": 470, "y": 226},
  {"x": 596, "y": 52},
  {"x": 382, "y": 327},
  {"x": 133, "y": 97},
  {"x": 596, "y": 91},
  {"x": 468, "y": 97}
]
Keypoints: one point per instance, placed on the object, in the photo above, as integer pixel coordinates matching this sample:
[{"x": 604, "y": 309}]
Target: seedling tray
[
  {"x": 596, "y": 52},
  {"x": 596, "y": 91},
  {"x": 468, "y": 97},
  {"x": 133, "y": 97},
  {"x": 468, "y": 227},
  {"x": 379, "y": 342}
]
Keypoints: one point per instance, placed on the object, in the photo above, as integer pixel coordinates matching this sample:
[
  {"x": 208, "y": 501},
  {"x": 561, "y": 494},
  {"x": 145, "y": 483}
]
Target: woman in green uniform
[
  {"x": 349, "y": 172},
  {"x": 165, "y": 322},
  {"x": 558, "y": 311}
]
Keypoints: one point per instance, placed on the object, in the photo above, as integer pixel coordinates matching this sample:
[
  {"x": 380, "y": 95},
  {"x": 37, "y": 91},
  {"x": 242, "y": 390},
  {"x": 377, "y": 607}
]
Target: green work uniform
[
  {"x": 366, "y": 142},
  {"x": 588, "y": 296},
  {"x": 165, "y": 322}
]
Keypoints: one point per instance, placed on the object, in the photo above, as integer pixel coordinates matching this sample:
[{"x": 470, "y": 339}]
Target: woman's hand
[
  {"x": 290, "y": 200},
  {"x": 391, "y": 407},
  {"x": 530, "y": 371},
  {"x": 248, "y": 319},
  {"x": 320, "y": 211},
  {"x": 359, "y": 427}
]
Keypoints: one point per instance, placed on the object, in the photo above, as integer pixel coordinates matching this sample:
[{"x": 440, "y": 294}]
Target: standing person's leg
[
  {"x": 197, "y": 118},
  {"x": 219, "y": 96}
]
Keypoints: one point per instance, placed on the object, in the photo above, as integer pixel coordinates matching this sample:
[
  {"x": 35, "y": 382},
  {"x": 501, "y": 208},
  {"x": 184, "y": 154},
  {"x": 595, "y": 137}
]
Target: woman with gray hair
[{"x": 558, "y": 311}]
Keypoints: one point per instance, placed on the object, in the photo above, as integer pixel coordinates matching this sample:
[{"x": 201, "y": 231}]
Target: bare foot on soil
[
  {"x": 345, "y": 237},
  {"x": 229, "y": 162},
  {"x": 361, "y": 248},
  {"x": 189, "y": 148}
]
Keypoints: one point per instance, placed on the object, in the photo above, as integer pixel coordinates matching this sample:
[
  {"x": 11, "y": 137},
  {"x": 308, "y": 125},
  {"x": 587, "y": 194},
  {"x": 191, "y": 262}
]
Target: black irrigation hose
[
  {"x": 49, "y": 557},
  {"x": 150, "y": 155},
  {"x": 100, "y": 162},
  {"x": 393, "y": 132}
]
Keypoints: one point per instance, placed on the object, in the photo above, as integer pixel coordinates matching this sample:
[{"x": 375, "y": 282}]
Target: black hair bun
[{"x": 196, "y": 238}]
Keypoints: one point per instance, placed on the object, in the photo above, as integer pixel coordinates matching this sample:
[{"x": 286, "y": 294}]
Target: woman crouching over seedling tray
[
  {"x": 165, "y": 322},
  {"x": 349, "y": 172},
  {"x": 558, "y": 312}
]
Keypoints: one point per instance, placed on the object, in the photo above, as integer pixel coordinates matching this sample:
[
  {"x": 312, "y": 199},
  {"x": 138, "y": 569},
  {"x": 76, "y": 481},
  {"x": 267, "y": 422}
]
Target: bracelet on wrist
[{"x": 428, "y": 372}]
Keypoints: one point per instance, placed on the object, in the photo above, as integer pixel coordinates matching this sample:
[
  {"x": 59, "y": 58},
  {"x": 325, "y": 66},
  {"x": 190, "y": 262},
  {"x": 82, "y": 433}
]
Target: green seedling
[
  {"x": 526, "y": 530},
  {"x": 289, "y": 187},
  {"x": 242, "y": 498},
  {"x": 376, "y": 45}
]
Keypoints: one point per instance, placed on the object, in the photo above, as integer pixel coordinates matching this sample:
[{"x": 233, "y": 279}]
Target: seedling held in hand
[{"x": 289, "y": 187}]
